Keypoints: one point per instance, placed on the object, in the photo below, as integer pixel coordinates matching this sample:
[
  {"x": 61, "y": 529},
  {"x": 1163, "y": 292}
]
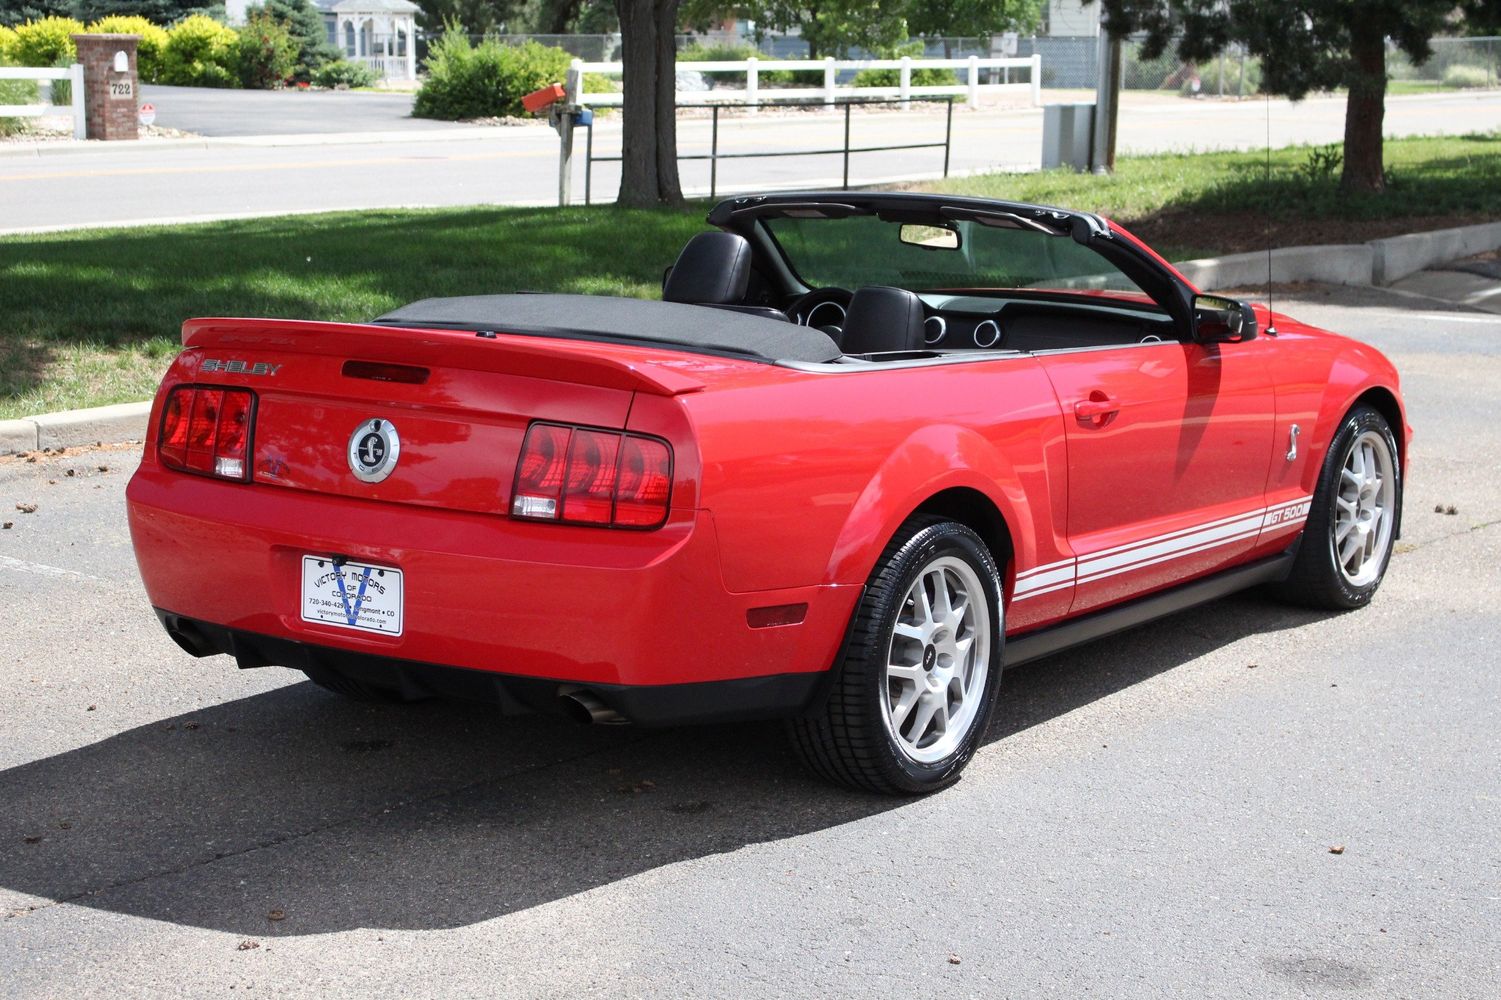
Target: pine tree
[{"x": 308, "y": 30}]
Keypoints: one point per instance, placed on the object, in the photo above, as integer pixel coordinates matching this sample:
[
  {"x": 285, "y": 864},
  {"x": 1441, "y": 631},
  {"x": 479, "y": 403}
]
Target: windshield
[{"x": 867, "y": 250}]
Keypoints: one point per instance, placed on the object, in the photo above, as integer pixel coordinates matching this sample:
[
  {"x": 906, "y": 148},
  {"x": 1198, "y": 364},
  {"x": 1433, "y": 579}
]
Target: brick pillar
[{"x": 110, "y": 99}]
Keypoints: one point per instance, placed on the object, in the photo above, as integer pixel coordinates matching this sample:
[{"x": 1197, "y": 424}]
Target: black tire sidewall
[
  {"x": 1318, "y": 555},
  {"x": 882, "y": 606}
]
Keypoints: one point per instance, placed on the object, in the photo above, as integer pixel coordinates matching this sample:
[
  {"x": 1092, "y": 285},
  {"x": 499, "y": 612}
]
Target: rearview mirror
[
  {"x": 1220, "y": 320},
  {"x": 930, "y": 237}
]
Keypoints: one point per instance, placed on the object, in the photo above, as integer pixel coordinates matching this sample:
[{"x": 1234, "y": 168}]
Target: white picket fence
[
  {"x": 752, "y": 93},
  {"x": 73, "y": 74}
]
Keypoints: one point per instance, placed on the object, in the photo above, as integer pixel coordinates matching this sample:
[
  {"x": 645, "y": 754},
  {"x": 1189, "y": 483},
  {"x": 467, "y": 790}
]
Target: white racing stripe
[{"x": 1132, "y": 556}]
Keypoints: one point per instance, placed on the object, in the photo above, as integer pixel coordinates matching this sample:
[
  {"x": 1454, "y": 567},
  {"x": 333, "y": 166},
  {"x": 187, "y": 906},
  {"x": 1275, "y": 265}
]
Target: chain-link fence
[
  {"x": 1457, "y": 64},
  {"x": 606, "y": 48},
  {"x": 1070, "y": 63}
]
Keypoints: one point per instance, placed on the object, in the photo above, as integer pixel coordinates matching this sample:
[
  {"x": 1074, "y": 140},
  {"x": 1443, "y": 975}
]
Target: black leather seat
[
  {"x": 882, "y": 319},
  {"x": 714, "y": 270}
]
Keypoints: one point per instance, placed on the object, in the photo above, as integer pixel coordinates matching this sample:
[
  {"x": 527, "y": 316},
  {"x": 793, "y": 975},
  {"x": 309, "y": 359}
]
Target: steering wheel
[{"x": 822, "y": 308}]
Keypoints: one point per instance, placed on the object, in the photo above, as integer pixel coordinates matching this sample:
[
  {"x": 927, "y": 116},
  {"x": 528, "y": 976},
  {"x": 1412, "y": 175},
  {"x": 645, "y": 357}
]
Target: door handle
[{"x": 1099, "y": 404}]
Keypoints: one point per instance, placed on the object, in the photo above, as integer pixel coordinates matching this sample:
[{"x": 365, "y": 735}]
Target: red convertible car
[{"x": 870, "y": 449}]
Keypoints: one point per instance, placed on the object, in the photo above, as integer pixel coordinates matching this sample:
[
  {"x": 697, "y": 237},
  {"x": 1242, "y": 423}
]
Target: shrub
[
  {"x": 343, "y": 73},
  {"x": 723, "y": 52},
  {"x": 1464, "y": 77},
  {"x": 200, "y": 52},
  {"x": 893, "y": 77},
  {"x": 148, "y": 51},
  {"x": 13, "y": 91},
  {"x": 529, "y": 67},
  {"x": 265, "y": 53},
  {"x": 463, "y": 80},
  {"x": 1209, "y": 77},
  {"x": 484, "y": 80},
  {"x": 46, "y": 42},
  {"x": 7, "y": 45},
  {"x": 600, "y": 83},
  {"x": 727, "y": 52}
]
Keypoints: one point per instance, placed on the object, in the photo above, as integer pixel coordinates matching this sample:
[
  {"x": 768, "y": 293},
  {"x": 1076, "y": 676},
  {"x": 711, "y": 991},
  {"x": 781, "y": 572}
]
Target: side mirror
[{"x": 1218, "y": 320}]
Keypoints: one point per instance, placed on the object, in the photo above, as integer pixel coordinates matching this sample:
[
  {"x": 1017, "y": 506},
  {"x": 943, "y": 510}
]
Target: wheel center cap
[{"x": 929, "y": 657}]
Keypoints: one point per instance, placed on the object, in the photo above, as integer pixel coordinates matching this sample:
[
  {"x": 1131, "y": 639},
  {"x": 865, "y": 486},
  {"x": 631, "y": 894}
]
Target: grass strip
[{"x": 92, "y": 317}]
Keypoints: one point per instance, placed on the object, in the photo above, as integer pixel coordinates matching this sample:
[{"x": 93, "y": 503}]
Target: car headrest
[
  {"x": 883, "y": 319},
  {"x": 713, "y": 269}
]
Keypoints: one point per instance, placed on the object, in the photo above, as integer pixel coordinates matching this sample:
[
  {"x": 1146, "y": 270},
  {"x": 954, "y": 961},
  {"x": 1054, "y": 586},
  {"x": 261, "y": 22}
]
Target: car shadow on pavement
[{"x": 293, "y": 812}]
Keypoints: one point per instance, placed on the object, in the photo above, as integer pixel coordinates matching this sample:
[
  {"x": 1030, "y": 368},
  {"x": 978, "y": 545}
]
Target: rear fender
[{"x": 932, "y": 459}]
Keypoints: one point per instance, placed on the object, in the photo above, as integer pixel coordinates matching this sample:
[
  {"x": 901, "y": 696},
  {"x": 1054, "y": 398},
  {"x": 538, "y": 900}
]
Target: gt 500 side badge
[
  {"x": 373, "y": 450},
  {"x": 237, "y": 367}
]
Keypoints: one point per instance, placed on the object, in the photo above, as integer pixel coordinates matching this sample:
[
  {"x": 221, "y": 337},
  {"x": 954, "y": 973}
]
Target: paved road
[
  {"x": 210, "y": 112},
  {"x": 518, "y": 164},
  {"x": 1153, "y": 816}
]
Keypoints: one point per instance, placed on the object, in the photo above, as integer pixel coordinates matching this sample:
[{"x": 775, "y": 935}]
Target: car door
[{"x": 1168, "y": 446}]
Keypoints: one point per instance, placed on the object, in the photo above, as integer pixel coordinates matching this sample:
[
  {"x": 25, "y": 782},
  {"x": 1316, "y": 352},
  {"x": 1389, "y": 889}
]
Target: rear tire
[
  {"x": 1352, "y": 523},
  {"x": 354, "y": 690},
  {"x": 913, "y": 695}
]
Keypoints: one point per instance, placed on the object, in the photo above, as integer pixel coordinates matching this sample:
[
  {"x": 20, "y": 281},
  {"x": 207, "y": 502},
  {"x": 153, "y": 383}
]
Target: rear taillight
[
  {"x": 579, "y": 475},
  {"x": 207, "y": 430}
]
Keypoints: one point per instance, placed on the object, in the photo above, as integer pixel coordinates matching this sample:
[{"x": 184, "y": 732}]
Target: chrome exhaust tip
[{"x": 585, "y": 706}]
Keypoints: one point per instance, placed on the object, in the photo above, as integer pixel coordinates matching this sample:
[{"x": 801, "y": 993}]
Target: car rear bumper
[
  {"x": 776, "y": 696},
  {"x": 561, "y": 604}
]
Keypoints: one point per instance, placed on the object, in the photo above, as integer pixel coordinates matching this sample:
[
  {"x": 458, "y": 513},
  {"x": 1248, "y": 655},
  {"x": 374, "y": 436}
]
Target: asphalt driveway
[
  {"x": 1155, "y": 815},
  {"x": 211, "y": 112}
]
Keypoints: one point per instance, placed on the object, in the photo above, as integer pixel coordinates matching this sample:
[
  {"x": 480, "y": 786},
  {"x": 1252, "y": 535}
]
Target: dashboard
[{"x": 985, "y": 322}]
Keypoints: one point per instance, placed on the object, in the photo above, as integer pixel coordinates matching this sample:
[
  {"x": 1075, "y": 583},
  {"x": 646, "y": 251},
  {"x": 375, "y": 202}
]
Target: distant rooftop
[{"x": 367, "y": 6}]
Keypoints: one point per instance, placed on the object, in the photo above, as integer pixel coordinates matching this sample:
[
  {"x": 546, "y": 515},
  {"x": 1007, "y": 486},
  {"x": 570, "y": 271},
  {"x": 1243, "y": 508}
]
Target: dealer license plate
[{"x": 351, "y": 595}]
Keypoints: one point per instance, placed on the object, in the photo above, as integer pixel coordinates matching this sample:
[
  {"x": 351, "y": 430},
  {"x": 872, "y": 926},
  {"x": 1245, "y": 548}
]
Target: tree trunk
[
  {"x": 1365, "y": 107},
  {"x": 555, "y": 20},
  {"x": 649, "y": 164}
]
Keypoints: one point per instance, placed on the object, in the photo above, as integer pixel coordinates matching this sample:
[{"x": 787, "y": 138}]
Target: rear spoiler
[{"x": 609, "y": 366}]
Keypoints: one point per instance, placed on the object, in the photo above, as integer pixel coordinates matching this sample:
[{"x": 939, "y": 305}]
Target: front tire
[
  {"x": 913, "y": 696},
  {"x": 1352, "y": 523}
]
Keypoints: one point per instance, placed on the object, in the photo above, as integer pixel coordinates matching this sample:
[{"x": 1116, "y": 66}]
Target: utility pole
[{"x": 1107, "y": 102}]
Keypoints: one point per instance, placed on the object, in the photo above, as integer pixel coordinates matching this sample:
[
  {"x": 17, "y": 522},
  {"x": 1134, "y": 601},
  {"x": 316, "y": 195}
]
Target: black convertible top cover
[{"x": 700, "y": 329}]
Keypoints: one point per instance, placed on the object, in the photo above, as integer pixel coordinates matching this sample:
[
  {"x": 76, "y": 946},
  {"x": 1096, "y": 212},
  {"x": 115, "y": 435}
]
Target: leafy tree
[
  {"x": 475, "y": 17},
  {"x": 971, "y": 18},
  {"x": 834, "y": 26},
  {"x": 14, "y": 12},
  {"x": 649, "y": 154},
  {"x": 159, "y": 12},
  {"x": 1481, "y": 17},
  {"x": 305, "y": 24},
  {"x": 557, "y": 17},
  {"x": 1304, "y": 45}
]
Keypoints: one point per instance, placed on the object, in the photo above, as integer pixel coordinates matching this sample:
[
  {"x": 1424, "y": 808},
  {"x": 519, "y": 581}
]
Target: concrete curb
[
  {"x": 75, "y": 428},
  {"x": 1379, "y": 262}
]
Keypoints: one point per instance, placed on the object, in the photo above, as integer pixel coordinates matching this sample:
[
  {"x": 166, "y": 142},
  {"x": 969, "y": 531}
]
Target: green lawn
[
  {"x": 1429, "y": 178},
  {"x": 92, "y": 317}
]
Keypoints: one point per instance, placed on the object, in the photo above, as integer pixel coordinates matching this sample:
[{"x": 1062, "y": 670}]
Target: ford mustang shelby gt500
[{"x": 869, "y": 449}]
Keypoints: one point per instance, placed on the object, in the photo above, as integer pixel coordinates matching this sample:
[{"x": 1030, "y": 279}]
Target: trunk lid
[{"x": 459, "y": 404}]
